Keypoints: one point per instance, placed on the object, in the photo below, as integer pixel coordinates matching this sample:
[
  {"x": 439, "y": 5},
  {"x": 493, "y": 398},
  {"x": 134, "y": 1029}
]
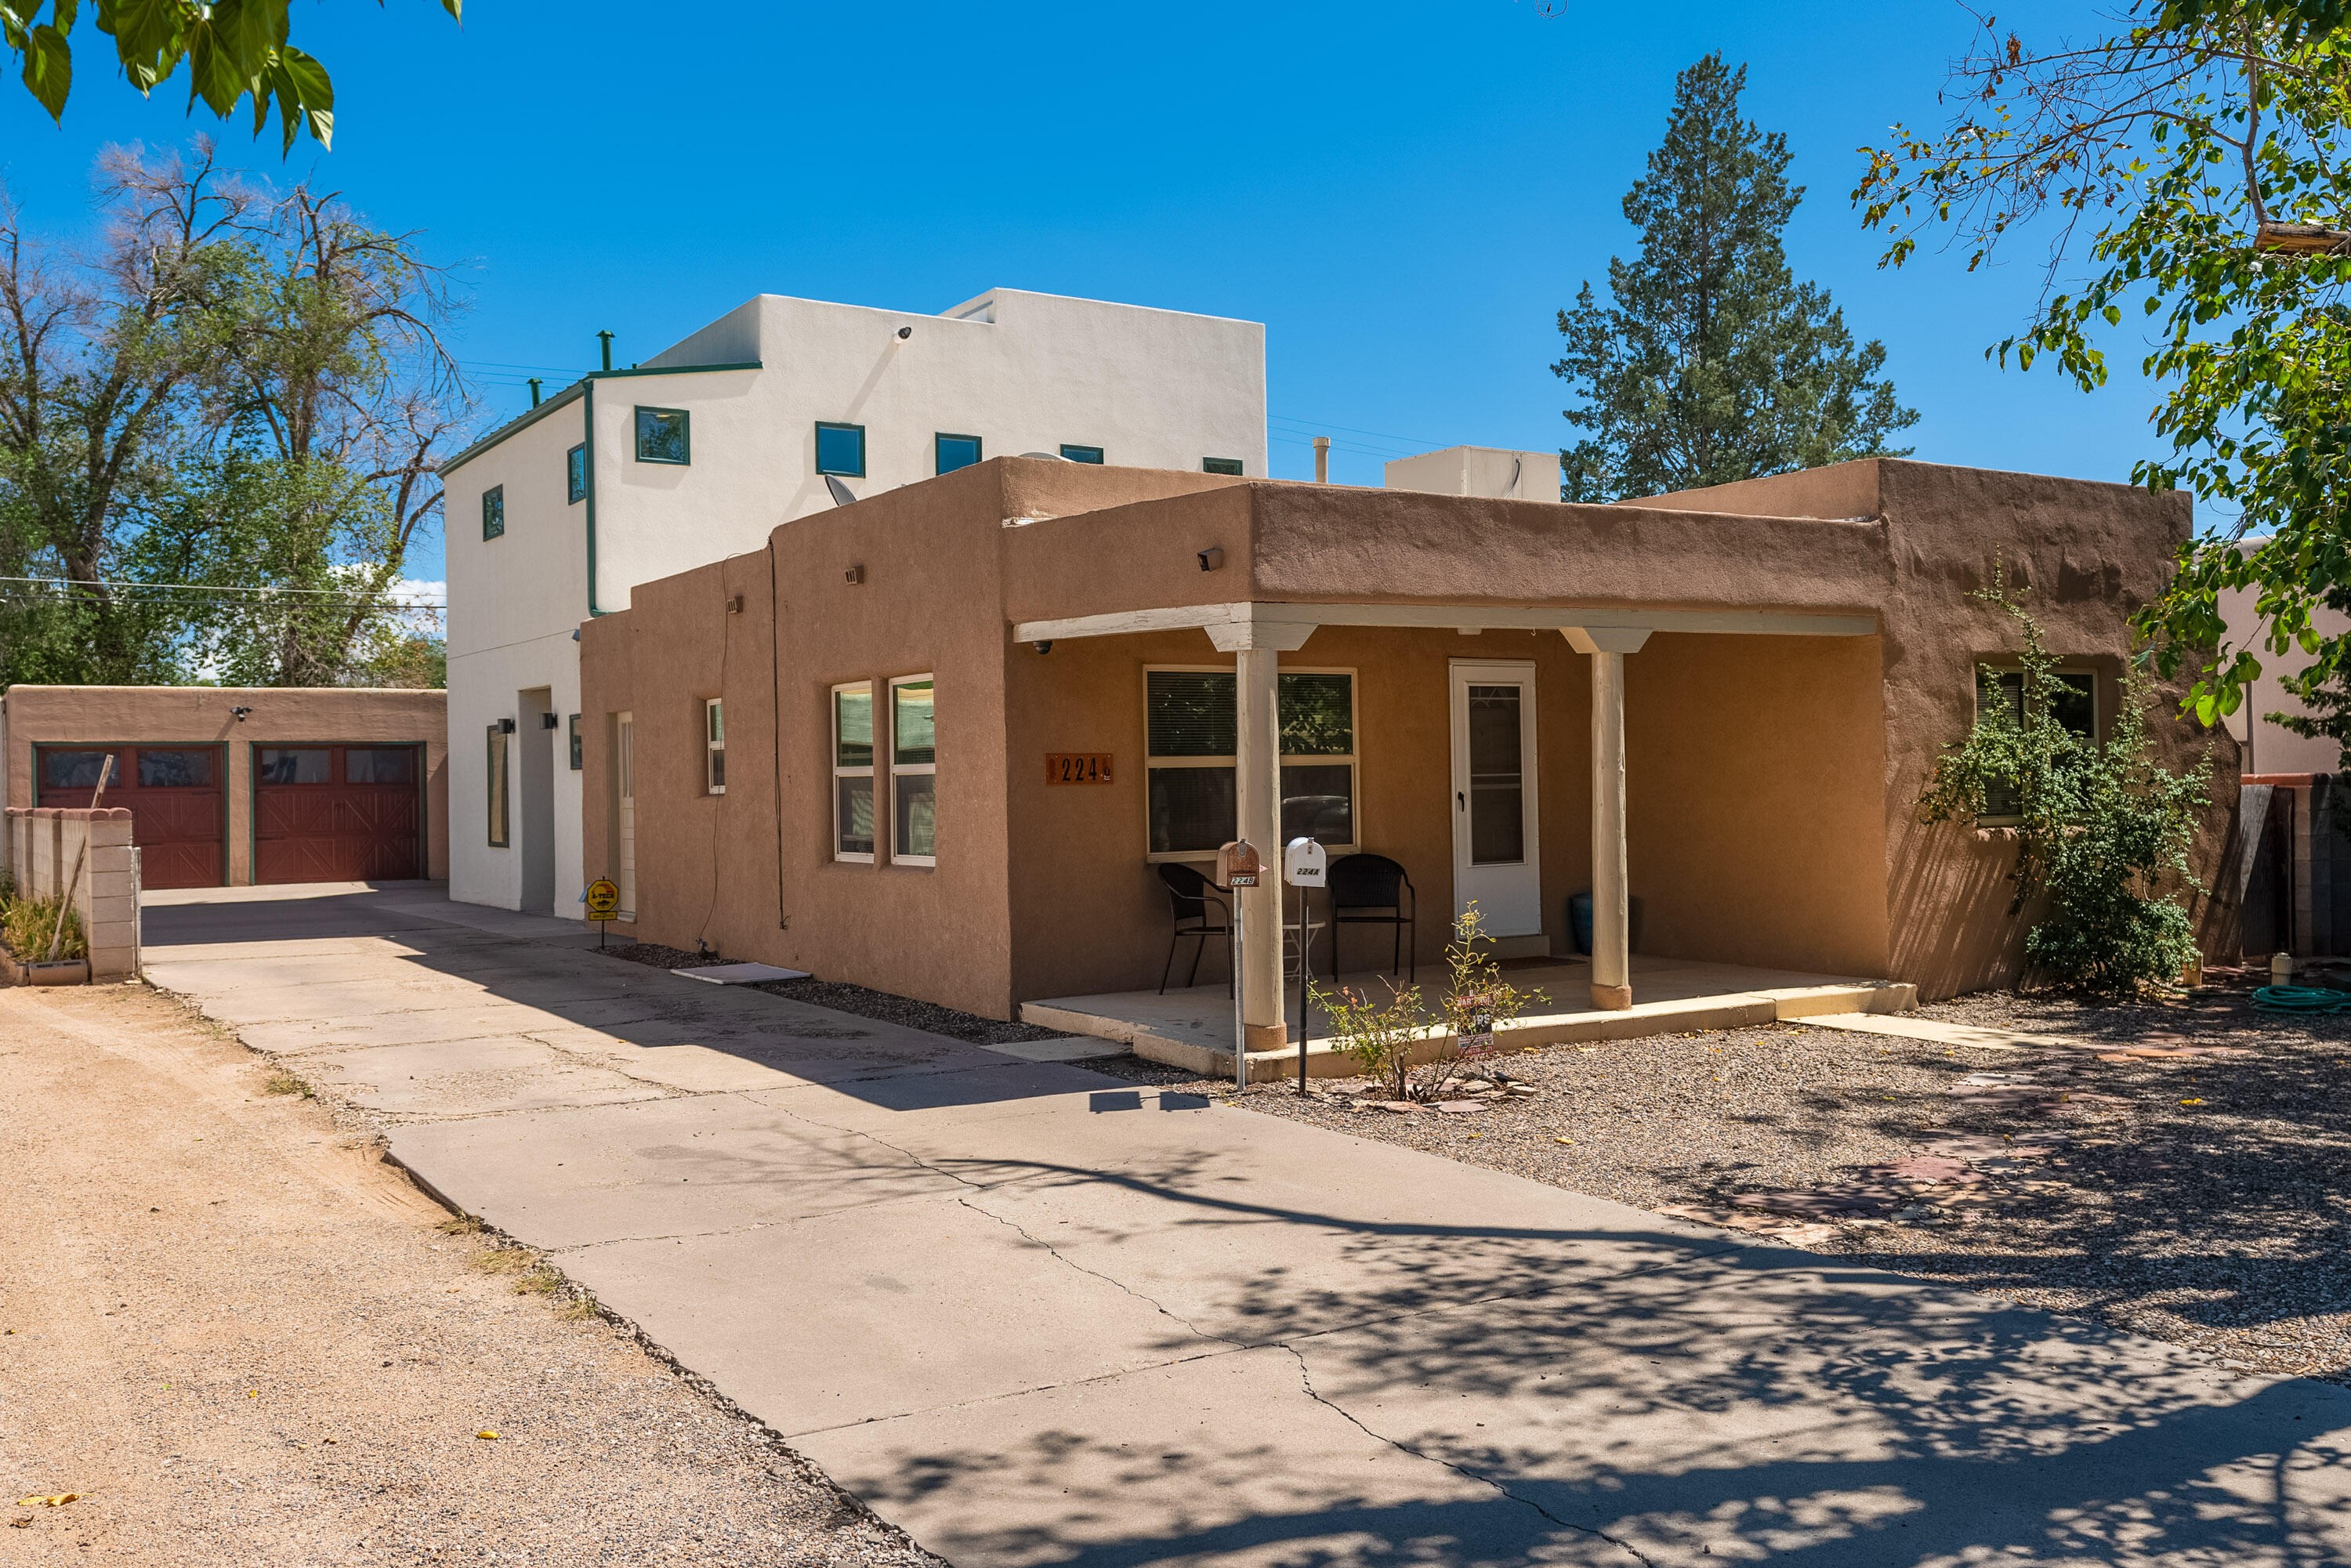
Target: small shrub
[
  {"x": 284, "y": 1083},
  {"x": 27, "y": 925},
  {"x": 459, "y": 1225},
  {"x": 1380, "y": 1036},
  {"x": 2103, "y": 828},
  {"x": 1384, "y": 1036}
]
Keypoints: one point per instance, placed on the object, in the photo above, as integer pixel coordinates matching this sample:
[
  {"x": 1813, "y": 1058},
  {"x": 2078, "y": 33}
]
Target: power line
[{"x": 346, "y": 596}]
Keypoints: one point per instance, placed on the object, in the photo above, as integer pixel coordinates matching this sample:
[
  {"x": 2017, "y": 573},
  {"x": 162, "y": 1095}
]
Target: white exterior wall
[
  {"x": 2272, "y": 747},
  {"x": 1493, "y": 472},
  {"x": 1024, "y": 373}
]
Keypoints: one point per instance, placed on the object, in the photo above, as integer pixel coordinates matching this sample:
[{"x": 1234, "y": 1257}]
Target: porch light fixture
[
  {"x": 1044, "y": 647},
  {"x": 855, "y": 575},
  {"x": 241, "y": 713}
]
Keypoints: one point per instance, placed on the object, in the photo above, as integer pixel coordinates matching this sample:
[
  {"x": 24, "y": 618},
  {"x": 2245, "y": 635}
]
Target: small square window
[
  {"x": 493, "y": 511},
  {"x": 840, "y": 449},
  {"x": 1082, "y": 453},
  {"x": 713, "y": 745},
  {"x": 664, "y": 435},
  {"x": 1220, "y": 465},
  {"x": 575, "y": 473},
  {"x": 575, "y": 743},
  {"x": 953, "y": 452}
]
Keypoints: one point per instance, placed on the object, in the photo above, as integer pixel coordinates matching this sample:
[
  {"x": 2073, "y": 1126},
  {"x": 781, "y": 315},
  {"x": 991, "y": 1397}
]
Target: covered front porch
[
  {"x": 1193, "y": 1027},
  {"x": 1754, "y": 806}
]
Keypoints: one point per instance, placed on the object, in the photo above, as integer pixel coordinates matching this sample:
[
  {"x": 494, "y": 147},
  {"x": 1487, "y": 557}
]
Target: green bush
[
  {"x": 2103, "y": 828},
  {"x": 27, "y": 924}
]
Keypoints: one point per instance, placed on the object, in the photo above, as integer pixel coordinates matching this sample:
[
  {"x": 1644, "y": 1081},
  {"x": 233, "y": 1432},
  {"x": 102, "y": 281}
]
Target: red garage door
[
  {"x": 175, "y": 795},
  {"x": 337, "y": 813}
]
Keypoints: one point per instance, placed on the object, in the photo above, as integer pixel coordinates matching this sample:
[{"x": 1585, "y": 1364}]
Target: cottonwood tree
[
  {"x": 1710, "y": 362},
  {"x": 236, "y": 52},
  {"x": 2189, "y": 179},
  {"x": 244, "y": 397}
]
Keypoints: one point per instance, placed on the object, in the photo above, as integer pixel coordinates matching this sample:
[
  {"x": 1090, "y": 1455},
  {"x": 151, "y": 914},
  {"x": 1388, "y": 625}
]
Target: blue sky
[{"x": 1403, "y": 193}]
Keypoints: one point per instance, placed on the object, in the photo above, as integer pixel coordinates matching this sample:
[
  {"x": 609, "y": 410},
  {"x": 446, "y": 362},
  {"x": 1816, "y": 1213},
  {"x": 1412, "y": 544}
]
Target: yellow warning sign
[{"x": 603, "y": 899}]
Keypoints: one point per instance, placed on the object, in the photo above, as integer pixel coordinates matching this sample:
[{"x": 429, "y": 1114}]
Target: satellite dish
[
  {"x": 1048, "y": 456},
  {"x": 842, "y": 494}
]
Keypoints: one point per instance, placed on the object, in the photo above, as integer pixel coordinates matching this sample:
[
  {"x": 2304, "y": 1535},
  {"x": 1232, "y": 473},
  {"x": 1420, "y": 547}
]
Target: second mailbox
[{"x": 1238, "y": 864}]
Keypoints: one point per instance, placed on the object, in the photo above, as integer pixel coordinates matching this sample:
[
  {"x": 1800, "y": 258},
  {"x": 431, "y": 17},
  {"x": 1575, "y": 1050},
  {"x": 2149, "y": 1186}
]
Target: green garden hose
[{"x": 2300, "y": 1000}]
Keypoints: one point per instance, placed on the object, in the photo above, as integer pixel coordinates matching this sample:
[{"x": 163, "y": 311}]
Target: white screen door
[
  {"x": 624, "y": 765},
  {"x": 1496, "y": 858}
]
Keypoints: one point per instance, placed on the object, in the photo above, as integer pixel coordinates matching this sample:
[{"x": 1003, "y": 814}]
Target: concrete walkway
[{"x": 1040, "y": 1316}]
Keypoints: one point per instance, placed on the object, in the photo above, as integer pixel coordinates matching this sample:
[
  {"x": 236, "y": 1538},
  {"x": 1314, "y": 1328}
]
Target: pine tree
[{"x": 1711, "y": 364}]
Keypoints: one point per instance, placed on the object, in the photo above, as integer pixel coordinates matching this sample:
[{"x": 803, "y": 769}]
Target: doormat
[{"x": 740, "y": 973}]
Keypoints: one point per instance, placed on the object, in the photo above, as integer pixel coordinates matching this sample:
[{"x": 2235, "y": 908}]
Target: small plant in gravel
[
  {"x": 1384, "y": 1036},
  {"x": 459, "y": 1225},
  {"x": 2103, "y": 828},
  {"x": 284, "y": 1083}
]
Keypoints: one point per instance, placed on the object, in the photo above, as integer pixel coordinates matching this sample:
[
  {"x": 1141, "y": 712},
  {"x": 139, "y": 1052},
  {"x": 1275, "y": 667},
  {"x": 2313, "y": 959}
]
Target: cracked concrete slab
[{"x": 1042, "y": 1317}]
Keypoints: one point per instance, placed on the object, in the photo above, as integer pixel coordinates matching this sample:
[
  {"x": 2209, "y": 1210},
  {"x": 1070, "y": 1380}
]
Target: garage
[
  {"x": 177, "y": 797},
  {"x": 337, "y": 813}
]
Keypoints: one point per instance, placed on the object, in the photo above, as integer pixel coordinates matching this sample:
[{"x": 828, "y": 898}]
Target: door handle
[{"x": 1460, "y": 801}]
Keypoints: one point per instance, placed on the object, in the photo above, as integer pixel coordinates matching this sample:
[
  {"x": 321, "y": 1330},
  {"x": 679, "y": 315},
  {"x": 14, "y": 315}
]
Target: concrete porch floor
[{"x": 1193, "y": 1027}]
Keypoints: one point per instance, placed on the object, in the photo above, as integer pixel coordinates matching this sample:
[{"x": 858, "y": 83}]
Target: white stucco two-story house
[{"x": 628, "y": 476}]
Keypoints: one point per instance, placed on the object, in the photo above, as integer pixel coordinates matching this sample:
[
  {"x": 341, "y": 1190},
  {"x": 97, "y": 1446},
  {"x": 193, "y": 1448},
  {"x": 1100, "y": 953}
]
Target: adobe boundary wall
[{"x": 43, "y": 846}]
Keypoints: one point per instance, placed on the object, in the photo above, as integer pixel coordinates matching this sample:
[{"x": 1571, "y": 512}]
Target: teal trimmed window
[
  {"x": 575, "y": 473},
  {"x": 1221, "y": 466},
  {"x": 493, "y": 511},
  {"x": 953, "y": 452},
  {"x": 1082, "y": 453},
  {"x": 663, "y": 435},
  {"x": 840, "y": 449}
]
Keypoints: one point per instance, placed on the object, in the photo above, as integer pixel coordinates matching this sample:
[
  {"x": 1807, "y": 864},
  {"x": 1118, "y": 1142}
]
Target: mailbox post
[
  {"x": 1237, "y": 866},
  {"x": 1303, "y": 865}
]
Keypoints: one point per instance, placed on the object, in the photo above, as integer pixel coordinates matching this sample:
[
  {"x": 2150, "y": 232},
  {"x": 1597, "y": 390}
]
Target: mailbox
[
  {"x": 1304, "y": 864},
  {"x": 1238, "y": 864}
]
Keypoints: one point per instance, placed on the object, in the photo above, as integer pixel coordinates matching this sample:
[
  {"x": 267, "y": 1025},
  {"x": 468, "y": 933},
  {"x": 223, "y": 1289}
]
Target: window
[
  {"x": 1192, "y": 733},
  {"x": 292, "y": 765},
  {"x": 953, "y": 452},
  {"x": 840, "y": 449},
  {"x": 575, "y": 473},
  {"x": 75, "y": 769},
  {"x": 1220, "y": 465},
  {"x": 174, "y": 769},
  {"x": 852, "y": 772},
  {"x": 1082, "y": 453},
  {"x": 713, "y": 745},
  {"x": 493, "y": 511},
  {"x": 380, "y": 765},
  {"x": 663, "y": 435},
  {"x": 575, "y": 743},
  {"x": 2076, "y": 708},
  {"x": 497, "y": 787},
  {"x": 914, "y": 768}
]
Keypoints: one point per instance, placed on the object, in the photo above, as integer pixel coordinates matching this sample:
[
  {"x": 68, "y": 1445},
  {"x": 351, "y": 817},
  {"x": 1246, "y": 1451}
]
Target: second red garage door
[{"x": 337, "y": 813}]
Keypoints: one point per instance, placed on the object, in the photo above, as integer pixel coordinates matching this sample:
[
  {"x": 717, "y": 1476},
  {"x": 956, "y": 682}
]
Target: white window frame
[
  {"x": 1353, "y": 759},
  {"x": 713, "y": 745},
  {"x": 910, "y": 769},
  {"x": 2097, "y": 713},
  {"x": 837, "y": 773}
]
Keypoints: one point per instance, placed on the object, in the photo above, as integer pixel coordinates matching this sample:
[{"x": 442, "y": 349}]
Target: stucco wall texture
[
  {"x": 1771, "y": 777},
  {"x": 203, "y": 715}
]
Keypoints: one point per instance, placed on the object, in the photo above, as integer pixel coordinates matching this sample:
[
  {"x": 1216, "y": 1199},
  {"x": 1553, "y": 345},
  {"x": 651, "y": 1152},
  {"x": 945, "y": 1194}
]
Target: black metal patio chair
[
  {"x": 1360, "y": 888},
  {"x": 1189, "y": 894}
]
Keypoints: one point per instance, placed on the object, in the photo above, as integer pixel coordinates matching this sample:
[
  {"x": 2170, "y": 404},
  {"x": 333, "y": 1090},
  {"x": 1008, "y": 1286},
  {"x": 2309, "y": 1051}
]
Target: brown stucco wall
[
  {"x": 1773, "y": 777},
  {"x": 200, "y": 715}
]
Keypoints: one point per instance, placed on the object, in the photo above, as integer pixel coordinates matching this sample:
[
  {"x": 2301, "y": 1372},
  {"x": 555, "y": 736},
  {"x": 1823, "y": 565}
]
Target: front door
[{"x": 1495, "y": 855}]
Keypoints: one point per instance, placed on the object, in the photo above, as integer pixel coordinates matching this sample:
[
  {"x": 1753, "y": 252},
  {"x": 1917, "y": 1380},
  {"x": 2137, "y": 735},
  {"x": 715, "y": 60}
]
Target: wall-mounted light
[
  {"x": 904, "y": 333},
  {"x": 735, "y": 604},
  {"x": 1212, "y": 557},
  {"x": 505, "y": 726},
  {"x": 548, "y": 721},
  {"x": 855, "y": 575},
  {"x": 1044, "y": 647},
  {"x": 241, "y": 713}
]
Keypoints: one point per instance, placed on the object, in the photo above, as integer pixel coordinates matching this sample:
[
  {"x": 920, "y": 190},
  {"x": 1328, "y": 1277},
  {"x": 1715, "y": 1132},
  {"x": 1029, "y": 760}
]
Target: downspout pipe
[{"x": 588, "y": 435}]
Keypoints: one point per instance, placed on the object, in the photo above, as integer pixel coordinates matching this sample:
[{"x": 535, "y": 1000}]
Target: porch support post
[
  {"x": 1612, "y": 963},
  {"x": 1257, "y": 648}
]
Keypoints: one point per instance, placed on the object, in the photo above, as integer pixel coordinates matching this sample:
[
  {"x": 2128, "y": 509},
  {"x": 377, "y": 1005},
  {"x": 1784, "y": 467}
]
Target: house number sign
[{"x": 1076, "y": 767}]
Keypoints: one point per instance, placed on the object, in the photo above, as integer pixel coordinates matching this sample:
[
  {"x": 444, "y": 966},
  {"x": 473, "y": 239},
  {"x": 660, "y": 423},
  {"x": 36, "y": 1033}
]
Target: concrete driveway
[{"x": 1036, "y": 1316}]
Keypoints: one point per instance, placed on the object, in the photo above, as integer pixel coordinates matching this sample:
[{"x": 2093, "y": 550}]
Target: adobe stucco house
[{"x": 844, "y": 752}]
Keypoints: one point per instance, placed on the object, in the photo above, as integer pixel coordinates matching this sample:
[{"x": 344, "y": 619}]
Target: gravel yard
[
  {"x": 969, "y": 1027},
  {"x": 233, "y": 1336},
  {"x": 2197, "y": 1190}
]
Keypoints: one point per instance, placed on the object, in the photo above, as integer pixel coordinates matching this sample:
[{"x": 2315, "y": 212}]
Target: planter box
[{"x": 43, "y": 972}]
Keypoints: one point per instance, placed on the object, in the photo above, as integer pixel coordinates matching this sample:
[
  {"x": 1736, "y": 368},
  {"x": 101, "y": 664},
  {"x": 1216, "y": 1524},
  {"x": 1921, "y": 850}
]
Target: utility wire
[{"x": 341, "y": 595}]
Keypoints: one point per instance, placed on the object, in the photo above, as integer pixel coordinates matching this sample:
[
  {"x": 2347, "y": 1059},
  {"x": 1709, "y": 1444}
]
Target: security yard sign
[{"x": 603, "y": 899}]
